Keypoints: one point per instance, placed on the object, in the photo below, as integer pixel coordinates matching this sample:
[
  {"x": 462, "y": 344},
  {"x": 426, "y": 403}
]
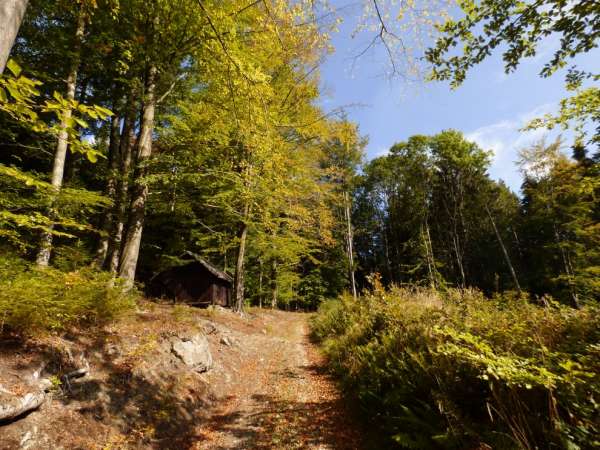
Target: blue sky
[{"x": 489, "y": 108}]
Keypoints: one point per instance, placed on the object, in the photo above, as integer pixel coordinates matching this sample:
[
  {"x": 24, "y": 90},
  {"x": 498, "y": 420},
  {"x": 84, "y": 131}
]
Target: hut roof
[{"x": 212, "y": 269}]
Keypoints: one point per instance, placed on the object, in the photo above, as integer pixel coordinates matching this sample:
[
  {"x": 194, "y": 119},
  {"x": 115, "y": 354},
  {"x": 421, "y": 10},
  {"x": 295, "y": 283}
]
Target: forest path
[
  {"x": 281, "y": 397},
  {"x": 267, "y": 387}
]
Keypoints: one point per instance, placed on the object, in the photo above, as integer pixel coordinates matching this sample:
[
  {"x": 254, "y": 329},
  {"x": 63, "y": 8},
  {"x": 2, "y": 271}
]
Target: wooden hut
[{"x": 196, "y": 282}]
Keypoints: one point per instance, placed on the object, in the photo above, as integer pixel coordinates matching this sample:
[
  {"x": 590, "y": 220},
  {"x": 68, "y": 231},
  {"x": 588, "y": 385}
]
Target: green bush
[
  {"x": 35, "y": 299},
  {"x": 459, "y": 370}
]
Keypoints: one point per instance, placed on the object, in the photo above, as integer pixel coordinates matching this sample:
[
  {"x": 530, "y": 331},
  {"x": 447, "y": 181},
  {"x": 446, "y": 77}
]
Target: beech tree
[
  {"x": 265, "y": 118},
  {"x": 168, "y": 39},
  {"x": 58, "y": 168},
  {"x": 11, "y": 16}
]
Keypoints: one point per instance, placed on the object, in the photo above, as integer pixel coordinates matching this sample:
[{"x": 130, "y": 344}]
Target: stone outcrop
[{"x": 194, "y": 351}]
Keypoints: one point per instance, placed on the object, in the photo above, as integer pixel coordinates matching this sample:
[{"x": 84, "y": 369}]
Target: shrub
[
  {"x": 459, "y": 370},
  {"x": 34, "y": 299}
]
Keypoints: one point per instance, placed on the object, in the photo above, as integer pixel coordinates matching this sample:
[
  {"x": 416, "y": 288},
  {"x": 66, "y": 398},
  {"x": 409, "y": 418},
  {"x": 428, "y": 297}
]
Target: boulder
[{"x": 194, "y": 351}]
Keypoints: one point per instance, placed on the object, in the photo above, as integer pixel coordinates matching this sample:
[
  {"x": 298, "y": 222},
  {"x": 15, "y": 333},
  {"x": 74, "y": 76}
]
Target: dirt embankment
[{"x": 266, "y": 388}]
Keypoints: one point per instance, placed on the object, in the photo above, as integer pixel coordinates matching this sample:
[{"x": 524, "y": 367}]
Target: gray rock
[{"x": 194, "y": 351}]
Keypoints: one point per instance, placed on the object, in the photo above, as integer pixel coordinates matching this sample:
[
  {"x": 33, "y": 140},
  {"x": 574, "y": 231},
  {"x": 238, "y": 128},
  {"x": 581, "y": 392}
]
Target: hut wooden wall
[{"x": 193, "y": 284}]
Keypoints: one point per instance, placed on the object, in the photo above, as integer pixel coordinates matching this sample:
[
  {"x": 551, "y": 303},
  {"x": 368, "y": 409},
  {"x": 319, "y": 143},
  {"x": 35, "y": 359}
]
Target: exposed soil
[{"x": 266, "y": 390}]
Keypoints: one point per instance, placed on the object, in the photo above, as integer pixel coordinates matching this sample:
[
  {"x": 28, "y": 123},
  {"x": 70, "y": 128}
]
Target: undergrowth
[
  {"x": 458, "y": 370},
  {"x": 34, "y": 299}
]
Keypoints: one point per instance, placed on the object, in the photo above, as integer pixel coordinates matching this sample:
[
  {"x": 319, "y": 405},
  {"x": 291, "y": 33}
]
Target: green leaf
[
  {"x": 104, "y": 112},
  {"x": 3, "y": 97},
  {"x": 91, "y": 156},
  {"x": 14, "y": 93},
  {"x": 82, "y": 123},
  {"x": 14, "y": 67}
]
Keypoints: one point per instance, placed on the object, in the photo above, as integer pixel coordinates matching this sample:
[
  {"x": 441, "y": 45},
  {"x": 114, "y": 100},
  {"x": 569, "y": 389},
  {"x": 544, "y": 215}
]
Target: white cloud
[
  {"x": 504, "y": 139},
  {"x": 381, "y": 151},
  {"x": 491, "y": 137}
]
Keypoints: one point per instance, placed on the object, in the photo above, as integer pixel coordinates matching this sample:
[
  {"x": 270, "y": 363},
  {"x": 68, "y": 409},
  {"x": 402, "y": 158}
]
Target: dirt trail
[
  {"x": 282, "y": 399},
  {"x": 267, "y": 388}
]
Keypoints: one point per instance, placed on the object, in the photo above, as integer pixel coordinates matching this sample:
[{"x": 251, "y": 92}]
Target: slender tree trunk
[
  {"x": 429, "y": 254},
  {"x": 238, "y": 287},
  {"x": 11, "y": 16},
  {"x": 274, "y": 284},
  {"x": 504, "y": 252},
  {"x": 434, "y": 279},
  {"x": 452, "y": 204},
  {"x": 456, "y": 243},
  {"x": 173, "y": 185},
  {"x": 133, "y": 238},
  {"x": 459, "y": 261},
  {"x": 386, "y": 235},
  {"x": 126, "y": 144},
  {"x": 111, "y": 188},
  {"x": 386, "y": 248},
  {"x": 73, "y": 160},
  {"x": 574, "y": 294},
  {"x": 563, "y": 254},
  {"x": 260, "y": 284},
  {"x": 43, "y": 257},
  {"x": 239, "y": 269},
  {"x": 517, "y": 242},
  {"x": 349, "y": 245},
  {"x": 567, "y": 268},
  {"x": 429, "y": 270}
]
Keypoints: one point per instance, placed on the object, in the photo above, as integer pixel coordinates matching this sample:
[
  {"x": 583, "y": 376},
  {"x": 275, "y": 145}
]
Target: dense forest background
[
  {"x": 429, "y": 214},
  {"x": 214, "y": 144},
  {"x": 132, "y": 133}
]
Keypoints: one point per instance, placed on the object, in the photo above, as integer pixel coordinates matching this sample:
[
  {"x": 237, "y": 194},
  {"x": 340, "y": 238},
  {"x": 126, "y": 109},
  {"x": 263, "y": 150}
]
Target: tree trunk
[
  {"x": 126, "y": 143},
  {"x": 349, "y": 245},
  {"x": 459, "y": 261},
  {"x": 386, "y": 248},
  {"x": 73, "y": 160},
  {"x": 111, "y": 188},
  {"x": 274, "y": 284},
  {"x": 11, "y": 16},
  {"x": 43, "y": 257},
  {"x": 517, "y": 243},
  {"x": 238, "y": 287},
  {"x": 260, "y": 284},
  {"x": 567, "y": 268},
  {"x": 506, "y": 257},
  {"x": 133, "y": 238},
  {"x": 386, "y": 238},
  {"x": 429, "y": 255},
  {"x": 458, "y": 249}
]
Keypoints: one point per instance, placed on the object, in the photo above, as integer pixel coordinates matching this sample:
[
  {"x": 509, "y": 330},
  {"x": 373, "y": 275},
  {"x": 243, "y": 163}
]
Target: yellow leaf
[{"x": 14, "y": 67}]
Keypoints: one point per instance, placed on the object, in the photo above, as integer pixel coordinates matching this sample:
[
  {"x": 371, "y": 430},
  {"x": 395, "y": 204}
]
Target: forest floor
[{"x": 267, "y": 388}]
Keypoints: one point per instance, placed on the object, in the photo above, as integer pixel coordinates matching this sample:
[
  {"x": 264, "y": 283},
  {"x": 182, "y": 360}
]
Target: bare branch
[{"x": 168, "y": 91}]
